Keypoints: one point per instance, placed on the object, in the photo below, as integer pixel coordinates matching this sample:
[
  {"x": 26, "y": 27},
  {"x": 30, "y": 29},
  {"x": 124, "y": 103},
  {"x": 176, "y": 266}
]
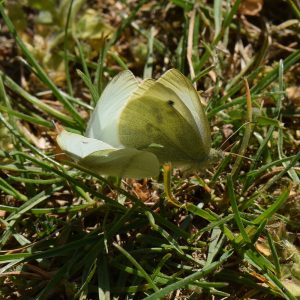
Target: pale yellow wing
[
  {"x": 103, "y": 159},
  {"x": 104, "y": 119},
  {"x": 190, "y": 97},
  {"x": 160, "y": 117}
]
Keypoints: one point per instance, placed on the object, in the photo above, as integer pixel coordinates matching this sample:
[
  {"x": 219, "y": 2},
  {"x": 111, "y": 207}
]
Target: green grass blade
[
  {"x": 138, "y": 266},
  {"x": 270, "y": 211},
  {"x": 275, "y": 256},
  {"x": 9, "y": 189},
  {"x": 217, "y": 16},
  {"x": 34, "y": 120},
  {"x": 163, "y": 232},
  {"x": 235, "y": 209},
  {"x": 66, "y": 59},
  {"x": 148, "y": 68},
  {"x": 90, "y": 86},
  {"x": 189, "y": 279},
  {"x": 36, "y": 102},
  {"x": 103, "y": 278}
]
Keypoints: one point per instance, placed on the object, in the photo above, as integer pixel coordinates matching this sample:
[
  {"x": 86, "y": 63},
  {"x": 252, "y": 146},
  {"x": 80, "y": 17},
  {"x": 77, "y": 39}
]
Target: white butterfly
[{"x": 137, "y": 126}]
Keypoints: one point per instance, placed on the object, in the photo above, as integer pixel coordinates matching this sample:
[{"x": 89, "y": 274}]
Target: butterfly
[{"x": 135, "y": 127}]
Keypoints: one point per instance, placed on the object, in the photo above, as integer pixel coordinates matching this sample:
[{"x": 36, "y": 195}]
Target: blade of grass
[
  {"x": 55, "y": 210},
  {"x": 36, "y": 102},
  {"x": 116, "y": 57},
  {"x": 138, "y": 266},
  {"x": 235, "y": 210},
  {"x": 217, "y": 16},
  {"x": 157, "y": 45},
  {"x": 58, "y": 278},
  {"x": 270, "y": 77},
  {"x": 227, "y": 20},
  {"x": 264, "y": 266},
  {"x": 295, "y": 8},
  {"x": 34, "y": 120},
  {"x": 190, "y": 279},
  {"x": 66, "y": 59},
  {"x": 185, "y": 4},
  {"x": 270, "y": 211},
  {"x": 93, "y": 90},
  {"x": 60, "y": 250},
  {"x": 190, "y": 45},
  {"x": 265, "y": 167},
  {"x": 215, "y": 246},
  {"x": 221, "y": 224},
  {"x": 181, "y": 51},
  {"x": 103, "y": 278},
  {"x": 247, "y": 134},
  {"x": 163, "y": 232},
  {"x": 35, "y": 180},
  {"x": 86, "y": 279},
  {"x": 274, "y": 255},
  {"x": 148, "y": 68},
  {"x": 10, "y": 190},
  {"x": 98, "y": 80},
  {"x": 292, "y": 173},
  {"x": 288, "y": 62},
  {"x": 250, "y": 177}
]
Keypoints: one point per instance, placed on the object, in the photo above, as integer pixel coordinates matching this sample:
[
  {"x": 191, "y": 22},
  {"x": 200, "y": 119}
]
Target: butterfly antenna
[
  {"x": 233, "y": 134},
  {"x": 239, "y": 155},
  {"x": 59, "y": 154},
  {"x": 226, "y": 153}
]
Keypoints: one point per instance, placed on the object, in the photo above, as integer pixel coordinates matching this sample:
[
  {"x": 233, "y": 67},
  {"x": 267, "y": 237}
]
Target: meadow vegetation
[{"x": 67, "y": 233}]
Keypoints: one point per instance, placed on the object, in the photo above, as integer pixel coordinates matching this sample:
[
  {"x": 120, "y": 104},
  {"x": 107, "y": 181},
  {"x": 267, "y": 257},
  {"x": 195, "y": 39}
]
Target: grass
[{"x": 230, "y": 231}]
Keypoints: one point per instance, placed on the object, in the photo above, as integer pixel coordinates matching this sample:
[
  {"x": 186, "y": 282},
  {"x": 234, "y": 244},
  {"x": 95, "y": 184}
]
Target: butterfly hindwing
[
  {"x": 103, "y": 159},
  {"x": 78, "y": 146},
  {"x": 126, "y": 162}
]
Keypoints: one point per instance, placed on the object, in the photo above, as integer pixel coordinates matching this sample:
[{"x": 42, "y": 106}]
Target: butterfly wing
[
  {"x": 103, "y": 159},
  {"x": 190, "y": 97},
  {"x": 103, "y": 122},
  {"x": 126, "y": 162},
  {"x": 163, "y": 113},
  {"x": 78, "y": 146}
]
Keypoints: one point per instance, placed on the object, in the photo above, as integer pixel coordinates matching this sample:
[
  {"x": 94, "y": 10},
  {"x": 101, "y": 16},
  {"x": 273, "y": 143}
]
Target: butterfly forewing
[
  {"x": 185, "y": 91},
  {"x": 156, "y": 119},
  {"x": 103, "y": 122}
]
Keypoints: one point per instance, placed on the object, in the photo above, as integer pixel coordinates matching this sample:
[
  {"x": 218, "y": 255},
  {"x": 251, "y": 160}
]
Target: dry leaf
[
  {"x": 293, "y": 94},
  {"x": 263, "y": 247},
  {"x": 251, "y": 7}
]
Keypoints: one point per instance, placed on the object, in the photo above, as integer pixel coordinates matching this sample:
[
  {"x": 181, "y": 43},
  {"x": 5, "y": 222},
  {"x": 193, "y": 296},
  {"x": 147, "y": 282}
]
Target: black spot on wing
[{"x": 170, "y": 102}]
